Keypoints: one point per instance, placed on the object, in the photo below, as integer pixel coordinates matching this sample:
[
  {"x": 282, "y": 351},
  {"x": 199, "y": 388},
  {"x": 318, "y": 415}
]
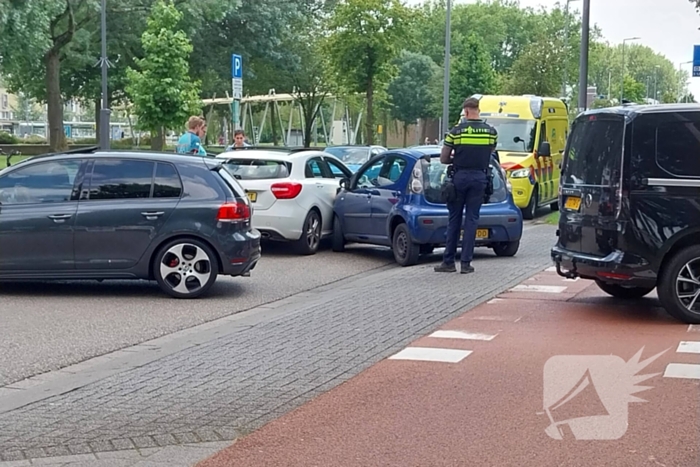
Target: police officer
[{"x": 473, "y": 142}]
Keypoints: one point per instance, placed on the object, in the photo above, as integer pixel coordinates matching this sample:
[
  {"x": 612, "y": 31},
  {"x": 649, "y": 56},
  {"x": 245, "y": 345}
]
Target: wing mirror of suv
[
  {"x": 545, "y": 150},
  {"x": 344, "y": 183}
]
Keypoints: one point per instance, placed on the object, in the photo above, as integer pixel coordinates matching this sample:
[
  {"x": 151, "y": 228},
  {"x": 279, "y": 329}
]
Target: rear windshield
[
  {"x": 434, "y": 175},
  {"x": 595, "y": 151},
  {"x": 258, "y": 169},
  {"x": 230, "y": 181}
]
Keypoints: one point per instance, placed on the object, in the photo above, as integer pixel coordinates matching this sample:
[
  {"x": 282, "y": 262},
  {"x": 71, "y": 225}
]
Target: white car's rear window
[{"x": 258, "y": 169}]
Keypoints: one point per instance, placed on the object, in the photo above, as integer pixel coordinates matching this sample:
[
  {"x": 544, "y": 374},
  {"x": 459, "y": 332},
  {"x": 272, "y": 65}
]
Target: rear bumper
[
  {"x": 612, "y": 268},
  {"x": 283, "y": 221},
  {"x": 502, "y": 227},
  {"x": 242, "y": 255}
]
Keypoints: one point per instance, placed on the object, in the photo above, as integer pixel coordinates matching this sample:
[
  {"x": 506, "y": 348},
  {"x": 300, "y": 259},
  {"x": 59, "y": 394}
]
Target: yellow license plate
[
  {"x": 573, "y": 203},
  {"x": 252, "y": 196},
  {"x": 480, "y": 233}
]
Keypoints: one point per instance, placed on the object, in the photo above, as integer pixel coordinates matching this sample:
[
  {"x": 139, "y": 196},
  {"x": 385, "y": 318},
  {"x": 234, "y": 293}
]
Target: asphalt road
[
  {"x": 547, "y": 376},
  {"x": 47, "y": 326}
]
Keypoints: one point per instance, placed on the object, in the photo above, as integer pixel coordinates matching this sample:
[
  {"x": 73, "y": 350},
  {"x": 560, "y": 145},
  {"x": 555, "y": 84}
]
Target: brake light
[
  {"x": 286, "y": 190},
  {"x": 236, "y": 211}
]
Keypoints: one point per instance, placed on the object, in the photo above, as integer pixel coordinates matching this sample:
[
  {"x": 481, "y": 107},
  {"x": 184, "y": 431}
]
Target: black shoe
[
  {"x": 446, "y": 268},
  {"x": 466, "y": 268}
]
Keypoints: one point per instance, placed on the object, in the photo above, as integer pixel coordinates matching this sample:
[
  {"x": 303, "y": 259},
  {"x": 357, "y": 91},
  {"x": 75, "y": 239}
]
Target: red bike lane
[{"x": 499, "y": 385}]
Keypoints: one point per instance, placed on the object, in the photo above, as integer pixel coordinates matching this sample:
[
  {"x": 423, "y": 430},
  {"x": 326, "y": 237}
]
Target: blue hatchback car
[{"x": 394, "y": 200}]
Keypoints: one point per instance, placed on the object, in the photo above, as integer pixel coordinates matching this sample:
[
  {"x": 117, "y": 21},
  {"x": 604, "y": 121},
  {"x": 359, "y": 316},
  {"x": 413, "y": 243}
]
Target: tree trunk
[
  {"x": 405, "y": 134},
  {"x": 57, "y": 136},
  {"x": 370, "y": 115},
  {"x": 157, "y": 138}
]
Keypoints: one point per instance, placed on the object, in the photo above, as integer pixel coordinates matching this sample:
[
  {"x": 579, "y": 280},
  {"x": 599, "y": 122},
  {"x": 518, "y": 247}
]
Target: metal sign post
[{"x": 237, "y": 85}]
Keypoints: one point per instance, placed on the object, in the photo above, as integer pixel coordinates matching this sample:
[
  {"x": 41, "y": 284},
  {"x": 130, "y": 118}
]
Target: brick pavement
[{"x": 236, "y": 383}]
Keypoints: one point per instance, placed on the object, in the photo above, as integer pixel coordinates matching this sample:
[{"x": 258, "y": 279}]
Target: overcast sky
[{"x": 669, "y": 27}]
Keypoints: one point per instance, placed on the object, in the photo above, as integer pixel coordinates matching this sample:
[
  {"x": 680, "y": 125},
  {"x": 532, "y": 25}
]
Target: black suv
[
  {"x": 178, "y": 219},
  {"x": 630, "y": 204}
]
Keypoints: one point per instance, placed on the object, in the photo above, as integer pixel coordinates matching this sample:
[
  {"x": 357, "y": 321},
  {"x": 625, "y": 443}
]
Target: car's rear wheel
[
  {"x": 620, "y": 291},
  {"x": 506, "y": 248},
  {"x": 406, "y": 252},
  {"x": 530, "y": 210},
  {"x": 310, "y": 238},
  {"x": 185, "y": 268},
  {"x": 338, "y": 236},
  {"x": 679, "y": 285}
]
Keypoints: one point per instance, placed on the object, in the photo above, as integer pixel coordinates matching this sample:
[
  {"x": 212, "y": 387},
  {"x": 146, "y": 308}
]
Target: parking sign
[
  {"x": 696, "y": 61},
  {"x": 237, "y": 73}
]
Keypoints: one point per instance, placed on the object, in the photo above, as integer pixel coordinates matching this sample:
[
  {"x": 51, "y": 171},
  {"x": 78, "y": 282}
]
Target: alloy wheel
[
  {"x": 185, "y": 268},
  {"x": 688, "y": 286},
  {"x": 313, "y": 232}
]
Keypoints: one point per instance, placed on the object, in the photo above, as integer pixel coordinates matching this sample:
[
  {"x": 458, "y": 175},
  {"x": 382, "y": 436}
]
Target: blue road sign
[
  {"x": 237, "y": 66},
  {"x": 696, "y": 61}
]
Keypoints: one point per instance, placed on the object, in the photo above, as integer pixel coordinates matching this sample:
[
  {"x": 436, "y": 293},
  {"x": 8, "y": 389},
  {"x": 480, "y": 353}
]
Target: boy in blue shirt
[{"x": 191, "y": 141}]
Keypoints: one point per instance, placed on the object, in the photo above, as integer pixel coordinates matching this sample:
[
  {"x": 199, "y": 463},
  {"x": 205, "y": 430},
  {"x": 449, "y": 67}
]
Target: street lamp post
[
  {"x": 656, "y": 83},
  {"x": 622, "y": 79},
  {"x": 583, "y": 67},
  {"x": 681, "y": 85},
  {"x": 104, "y": 112},
  {"x": 446, "y": 84}
]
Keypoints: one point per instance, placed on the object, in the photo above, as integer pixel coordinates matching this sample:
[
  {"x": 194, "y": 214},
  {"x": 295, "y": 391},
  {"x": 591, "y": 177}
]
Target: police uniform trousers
[{"x": 470, "y": 187}]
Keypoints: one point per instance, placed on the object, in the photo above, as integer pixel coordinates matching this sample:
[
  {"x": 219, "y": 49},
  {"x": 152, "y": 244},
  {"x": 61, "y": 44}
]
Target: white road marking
[
  {"x": 688, "y": 347},
  {"x": 694, "y": 328},
  {"x": 494, "y": 300},
  {"x": 538, "y": 288},
  {"x": 571, "y": 280},
  {"x": 428, "y": 354},
  {"x": 475, "y": 336},
  {"x": 551, "y": 269},
  {"x": 682, "y": 370}
]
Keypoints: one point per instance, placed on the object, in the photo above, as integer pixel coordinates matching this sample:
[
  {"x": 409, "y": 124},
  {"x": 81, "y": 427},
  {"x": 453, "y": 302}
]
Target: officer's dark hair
[{"x": 471, "y": 103}]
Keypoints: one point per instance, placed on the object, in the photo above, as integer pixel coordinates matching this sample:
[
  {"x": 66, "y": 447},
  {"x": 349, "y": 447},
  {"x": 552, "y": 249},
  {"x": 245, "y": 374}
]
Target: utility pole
[
  {"x": 446, "y": 84},
  {"x": 656, "y": 83},
  {"x": 583, "y": 68},
  {"x": 104, "y": 112}
]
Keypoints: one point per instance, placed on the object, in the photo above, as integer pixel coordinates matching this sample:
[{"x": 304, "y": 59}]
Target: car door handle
[
  {"x": 152, "y": 215},
  {"x": 375, "y": 193},
  {"x": 58, "y": 218}
]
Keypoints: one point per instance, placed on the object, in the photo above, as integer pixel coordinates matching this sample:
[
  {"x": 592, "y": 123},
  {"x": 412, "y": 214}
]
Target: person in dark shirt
[{"x": 469, "y": 148}]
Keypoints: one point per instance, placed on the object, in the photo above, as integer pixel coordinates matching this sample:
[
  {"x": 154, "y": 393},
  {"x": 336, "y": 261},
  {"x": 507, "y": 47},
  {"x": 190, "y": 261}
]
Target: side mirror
[
  {"x": 545, "y": 150},
  {"x": 344, "y": 183}
]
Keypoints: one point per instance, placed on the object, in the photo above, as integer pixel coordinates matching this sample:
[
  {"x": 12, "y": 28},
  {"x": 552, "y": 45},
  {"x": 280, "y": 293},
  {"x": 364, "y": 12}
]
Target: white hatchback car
[{"x": 291, "y": 193}]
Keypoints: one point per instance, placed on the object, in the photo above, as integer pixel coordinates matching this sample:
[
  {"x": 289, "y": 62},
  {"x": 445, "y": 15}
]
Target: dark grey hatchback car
[{"x": 178, "y": 219}]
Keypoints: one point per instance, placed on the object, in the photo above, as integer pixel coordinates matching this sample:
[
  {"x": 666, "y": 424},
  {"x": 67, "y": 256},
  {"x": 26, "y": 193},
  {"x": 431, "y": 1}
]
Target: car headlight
[{"x": 520, "y": 173}]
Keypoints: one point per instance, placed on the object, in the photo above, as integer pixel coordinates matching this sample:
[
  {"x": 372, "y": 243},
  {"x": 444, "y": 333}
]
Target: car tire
[
  {"x": 506, "y": 248},
  {"x": 668, "y": 285},
  {"x": 530, "y": 211},
  {"x": 338, "y": 236},
  {"x": 620, "y": 291},
  {"x": 310, "y": 238},
  {"x": 427, "y": 249},
  {"x": 406, "y": 252},
  {"x": 180, "y": 273}
]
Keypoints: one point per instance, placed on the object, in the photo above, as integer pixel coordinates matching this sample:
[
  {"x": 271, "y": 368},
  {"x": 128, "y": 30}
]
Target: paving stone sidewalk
[{"x": 236, "y": 383}]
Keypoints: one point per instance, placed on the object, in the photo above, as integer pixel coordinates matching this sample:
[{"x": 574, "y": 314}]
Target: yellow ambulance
[{"x": 532, "y": 133}]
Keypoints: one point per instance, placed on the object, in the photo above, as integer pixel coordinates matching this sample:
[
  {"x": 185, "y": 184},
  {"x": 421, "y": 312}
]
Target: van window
[
  {"x": 595, "y": 151},
  {"x": 678, "y": 148},
  {"x": 509, "y": 129}
]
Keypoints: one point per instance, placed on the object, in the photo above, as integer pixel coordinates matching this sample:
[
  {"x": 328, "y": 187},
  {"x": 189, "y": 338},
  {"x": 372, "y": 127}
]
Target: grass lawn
[
  {"x": 15, "y": 159},
  {"x": 552, "y": 219}
]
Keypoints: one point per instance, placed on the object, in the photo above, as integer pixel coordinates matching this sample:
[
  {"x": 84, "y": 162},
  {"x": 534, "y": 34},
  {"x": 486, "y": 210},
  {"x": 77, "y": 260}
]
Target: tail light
[
  {"x": 235, "y": 211},
  {"x": 286, "y": 190},
  {"x": 416, "y": 182}
]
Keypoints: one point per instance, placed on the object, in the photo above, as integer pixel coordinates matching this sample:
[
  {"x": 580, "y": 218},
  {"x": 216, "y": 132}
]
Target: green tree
[
  {"x": 538, "y": 70},
  {"x": 472, "y": 73},
  {"x": 26, "y": 110},
  {"x": 35, "y": 39},
  {"x": 161, "y": 90},
  {"x": 364, "y": 38},
  {"x": 409, "y": 93},
  {"x": 634, "y": 90}
]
